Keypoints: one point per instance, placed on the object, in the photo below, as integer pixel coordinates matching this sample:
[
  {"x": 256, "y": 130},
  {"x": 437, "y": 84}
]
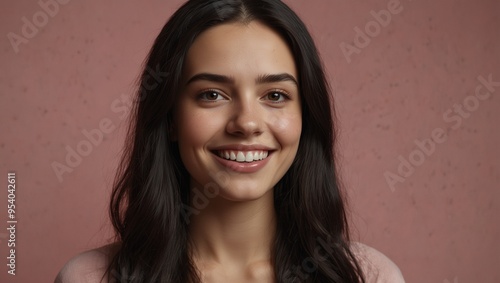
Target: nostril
[{"x": 244, "y": 125}]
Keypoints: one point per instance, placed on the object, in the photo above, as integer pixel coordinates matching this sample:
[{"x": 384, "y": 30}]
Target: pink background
[{"x": 439, "y": 225}]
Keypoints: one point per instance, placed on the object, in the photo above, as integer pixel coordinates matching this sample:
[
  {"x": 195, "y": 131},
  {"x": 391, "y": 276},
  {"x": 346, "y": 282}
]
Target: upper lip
[{"x": 243, "y": 147}]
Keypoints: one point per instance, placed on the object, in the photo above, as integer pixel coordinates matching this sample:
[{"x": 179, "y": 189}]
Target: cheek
[
  {"x": 196, "y": 128},
  {"x": 287, "y": 128}
]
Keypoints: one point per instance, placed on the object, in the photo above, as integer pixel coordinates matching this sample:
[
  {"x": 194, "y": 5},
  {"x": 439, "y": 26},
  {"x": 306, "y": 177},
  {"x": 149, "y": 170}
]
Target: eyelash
[
  {"x": 283, "y": 94},
  {"x": 208, "y": 91}
]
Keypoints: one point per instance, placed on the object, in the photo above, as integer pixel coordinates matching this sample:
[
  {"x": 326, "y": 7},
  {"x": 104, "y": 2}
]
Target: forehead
[{"x": 237, "y": 49}]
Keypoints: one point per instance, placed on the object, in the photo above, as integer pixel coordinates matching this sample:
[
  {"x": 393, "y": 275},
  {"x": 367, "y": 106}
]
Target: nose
[{"x": 246, "y": 120}]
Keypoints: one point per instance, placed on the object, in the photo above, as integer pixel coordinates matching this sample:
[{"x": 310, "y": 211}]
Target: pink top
[{"x": 90, "y": 266}]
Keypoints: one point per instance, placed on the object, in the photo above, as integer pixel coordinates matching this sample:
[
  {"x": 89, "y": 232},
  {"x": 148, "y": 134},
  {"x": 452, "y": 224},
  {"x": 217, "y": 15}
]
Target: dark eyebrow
[
  {"x": 262, "y": 79},
  {"x": 210, "y": 77}
]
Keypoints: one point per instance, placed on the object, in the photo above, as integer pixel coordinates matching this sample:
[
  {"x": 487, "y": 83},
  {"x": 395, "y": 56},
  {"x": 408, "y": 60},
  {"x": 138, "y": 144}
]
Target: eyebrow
[
  {"x": 262, "y": 79},
  {"x": 274, "y": 78}
]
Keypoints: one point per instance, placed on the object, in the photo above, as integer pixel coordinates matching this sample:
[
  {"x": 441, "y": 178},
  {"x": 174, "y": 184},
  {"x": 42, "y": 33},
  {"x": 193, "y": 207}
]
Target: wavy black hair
[{"x": 152, "y": 185}]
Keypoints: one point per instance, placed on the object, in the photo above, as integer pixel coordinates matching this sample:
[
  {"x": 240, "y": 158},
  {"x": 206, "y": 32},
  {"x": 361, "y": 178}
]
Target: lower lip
[{"x": 243, "y": 167}]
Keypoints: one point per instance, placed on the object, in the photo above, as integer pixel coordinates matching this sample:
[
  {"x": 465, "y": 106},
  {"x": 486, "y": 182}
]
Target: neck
[{"x": 230, "y": 232}]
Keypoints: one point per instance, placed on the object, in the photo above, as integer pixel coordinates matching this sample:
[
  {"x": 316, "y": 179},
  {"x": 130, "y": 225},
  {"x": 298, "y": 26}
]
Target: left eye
[{"x": 276, "y": 96}]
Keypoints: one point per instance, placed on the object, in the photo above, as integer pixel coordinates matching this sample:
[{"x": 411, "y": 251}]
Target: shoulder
[
  {"x": 88, "y": 267},
  {"x": 376, "y": 267}
]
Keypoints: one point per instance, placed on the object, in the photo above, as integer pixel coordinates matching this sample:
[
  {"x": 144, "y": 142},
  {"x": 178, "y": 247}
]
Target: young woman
[{"x": 229, "y": 173}]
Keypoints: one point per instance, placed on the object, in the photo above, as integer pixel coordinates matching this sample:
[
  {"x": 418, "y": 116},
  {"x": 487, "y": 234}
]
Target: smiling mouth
[{"x": 243, "y": 156}]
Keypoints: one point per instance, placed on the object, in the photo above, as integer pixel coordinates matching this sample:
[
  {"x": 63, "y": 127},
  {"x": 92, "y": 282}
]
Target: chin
[{"x": 241, "y": 193}]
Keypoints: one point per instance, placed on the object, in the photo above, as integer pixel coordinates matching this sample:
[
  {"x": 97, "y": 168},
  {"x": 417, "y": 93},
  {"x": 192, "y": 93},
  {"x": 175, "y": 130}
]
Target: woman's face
[{"x": 238, "y": 119}]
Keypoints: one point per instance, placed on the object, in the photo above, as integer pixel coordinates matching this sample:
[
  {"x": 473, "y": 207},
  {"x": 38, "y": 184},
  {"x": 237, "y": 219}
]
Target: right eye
[{"x": 210, "y": 95}]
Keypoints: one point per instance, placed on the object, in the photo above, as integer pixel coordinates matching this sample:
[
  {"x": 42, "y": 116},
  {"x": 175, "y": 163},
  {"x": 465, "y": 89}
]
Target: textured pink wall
[{"x": 439, "y": 219}]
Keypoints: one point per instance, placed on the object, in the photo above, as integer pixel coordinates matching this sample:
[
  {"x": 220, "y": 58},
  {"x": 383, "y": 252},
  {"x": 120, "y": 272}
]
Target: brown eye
[
  {"x": 211, "y": 96},
  {"x": 276, "y": 96}
]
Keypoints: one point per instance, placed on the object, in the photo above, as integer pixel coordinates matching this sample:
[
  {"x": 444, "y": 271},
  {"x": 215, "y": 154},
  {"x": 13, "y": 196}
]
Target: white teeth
[
  {"x": 249, "y": 157},
  {"x": 243, "y": 156},
  {"x": 240, "y": 157}
]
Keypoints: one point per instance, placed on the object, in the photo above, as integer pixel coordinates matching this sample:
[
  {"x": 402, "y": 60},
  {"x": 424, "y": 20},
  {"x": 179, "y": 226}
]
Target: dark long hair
[{"x": 152, "y": 184}]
